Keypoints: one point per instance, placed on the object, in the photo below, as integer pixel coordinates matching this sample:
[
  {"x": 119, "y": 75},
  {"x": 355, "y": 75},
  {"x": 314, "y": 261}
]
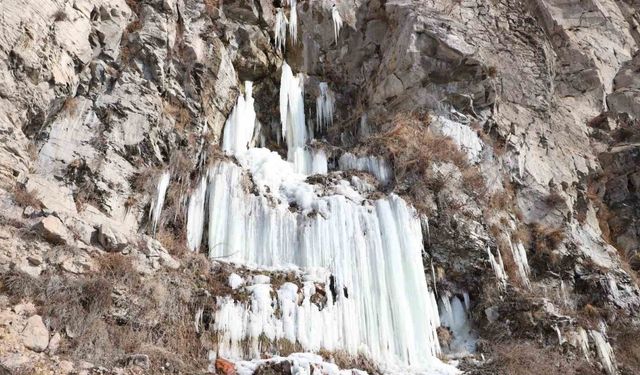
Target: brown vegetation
[
  {"x": 527, "y": 358},
  {"x": 413, "y": 149},
  {"x": 26, "y": 198}
]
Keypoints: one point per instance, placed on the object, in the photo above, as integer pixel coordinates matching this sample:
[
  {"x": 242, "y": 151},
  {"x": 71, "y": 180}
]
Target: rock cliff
[{"x": 410, "y": 186}]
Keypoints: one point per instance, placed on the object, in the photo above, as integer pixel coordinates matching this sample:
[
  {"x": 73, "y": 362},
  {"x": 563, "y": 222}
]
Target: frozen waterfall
[
  {"x": 364, "y": 256},
  {"x": 158, "y": 203},
  {"x": 325, "y": 103}
]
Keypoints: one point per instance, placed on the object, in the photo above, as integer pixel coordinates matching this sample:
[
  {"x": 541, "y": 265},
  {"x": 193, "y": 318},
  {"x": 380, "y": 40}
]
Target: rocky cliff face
[{"x": 510, "y": 126}]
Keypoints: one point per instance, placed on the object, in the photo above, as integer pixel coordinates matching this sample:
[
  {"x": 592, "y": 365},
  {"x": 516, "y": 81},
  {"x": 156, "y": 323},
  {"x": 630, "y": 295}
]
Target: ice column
[
  {"x": 325, "y": 104},
  {"x": 238, "y": 130},
  {"x": 196, "y": 215},
  {"x": 156, "y": 208}
]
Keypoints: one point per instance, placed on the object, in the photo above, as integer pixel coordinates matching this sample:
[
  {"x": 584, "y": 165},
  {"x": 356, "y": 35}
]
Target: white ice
[
  {"x": 158, "y": 203},
  {"x": 280, "y": 30},
  {"x": 337, "y": 21},
  {"x": 377, "y": 166},
  {"x": 239, "y": 128},
  {"x": 325, "y": 104},
  {"x": 454, "y": 315}
]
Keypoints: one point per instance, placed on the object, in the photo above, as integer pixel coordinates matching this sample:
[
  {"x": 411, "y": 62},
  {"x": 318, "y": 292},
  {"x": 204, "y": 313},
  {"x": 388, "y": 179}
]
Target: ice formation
[
  {"x": 158, "y": 203},
  {"x": 375, "y": 165},
  {"x": 293, "y": 21},
  {"x": 294, "y": 127},
  {"x": 463, "y": 136},
  {"x": 325, "y": 103},
  {"x": 238, "y": 129},
  {"x": 337, "y": 21},
  {"x": 520, "y": 259},
  {"x": 280, "y": 29},
  {"x": 497, "y": 266},
  {"x": 453, "y": 314},
  {"x": 195, "y": 215},
  {"x": 367, "y": 254}
]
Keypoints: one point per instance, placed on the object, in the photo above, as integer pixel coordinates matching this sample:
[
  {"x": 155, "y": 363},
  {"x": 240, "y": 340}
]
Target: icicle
[
  {"x": 280, "y": 30},
  {"x": 156, "y": 208},
  {"x": 520, "y": 258},
  {"x": 583, "y": 340},
  {"x": 467, "y": 301},
  {"x": 337, "y": 21},
  {"x": 325, "y": 103},
  {"x": 365, "y": 130},
  {"x": 239, "y": 128},
  {"x": 498, "y": 267},
  {"x": 558, "y": 334},
  {"x": 196, "y": 215},
  {"x": 293, "y": 22}
]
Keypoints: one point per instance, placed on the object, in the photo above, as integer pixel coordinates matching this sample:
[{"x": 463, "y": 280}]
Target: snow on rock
[
  {"x": 301, "y": 363},
  {"x": 235, "y": 281},
  {"x": 158, "y": 202}
]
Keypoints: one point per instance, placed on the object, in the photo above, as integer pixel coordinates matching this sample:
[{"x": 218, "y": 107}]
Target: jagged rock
[
  {"x": 35, "y": 335},
  {"x": 110, "y": 239},
  {"x": 53, "y": 230}
]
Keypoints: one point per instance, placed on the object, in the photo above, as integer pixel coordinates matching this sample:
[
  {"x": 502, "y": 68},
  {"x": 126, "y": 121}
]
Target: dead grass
[
  {"x": 527, "y": 358},
  {"x": 180, "y": 113},
  {"x": 626, "y": 347},
  {"x": 413, "y": 150},
  {"x": 26, "y": 198},
  {"x": 554, "y": 200}
]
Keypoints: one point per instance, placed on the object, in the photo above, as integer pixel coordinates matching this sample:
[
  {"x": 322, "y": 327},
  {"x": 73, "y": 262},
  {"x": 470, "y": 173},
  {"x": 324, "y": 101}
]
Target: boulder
[
  {"x": 110, "y": 239},
  {"x": 53, "y": 230},
  {"x": 35, "y": 335},
  {"x": 225, "y": 367}
]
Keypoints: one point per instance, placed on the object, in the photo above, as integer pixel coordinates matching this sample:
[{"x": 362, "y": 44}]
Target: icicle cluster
[
  {"x": 238, "y": 129},
  {"x": 497, "y": 266},
  {"x": 280, "y": 30},
  {"x": 158, "y": 203},
  {"x": 325, "y": 103},
  {"x": 371, "y": 164},
  {"x": 454, "y": 315},
  {"x": 520, "y": 259}
]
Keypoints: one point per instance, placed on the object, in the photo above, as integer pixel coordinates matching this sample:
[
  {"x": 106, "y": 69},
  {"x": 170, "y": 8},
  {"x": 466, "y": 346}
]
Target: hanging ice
[
  {"x": 453, "y": 314},
  {"x": 520, "y": 259},
  {"x": 238, "y": 130},
  {"x": 156, "y": 208},
  {"x": 195, "y": 215},
  {"x": 325, "y": 103},
  {"x": 294, "y": 127},
  {"x": 293, "y": 21},
  {"x": 280, "y": 30},
  {"x": 372, "y": 164},
  {"x": 337, "y": 21},
  {"x": 498, "y": 266}
]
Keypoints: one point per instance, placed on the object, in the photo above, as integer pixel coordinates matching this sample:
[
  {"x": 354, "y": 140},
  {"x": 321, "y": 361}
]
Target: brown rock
[{"x": 225, "y": 367}]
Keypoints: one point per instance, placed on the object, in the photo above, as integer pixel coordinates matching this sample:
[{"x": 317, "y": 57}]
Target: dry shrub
[
  {"x": 527, "y": 358},
  {"x": 413, "y": 149},
  {"x": 26, "y": 198},
  {"x": 180, "y": 113},
  {"x": 211, "y": 6},
  {"x": 176, "y": 245},
  {"x": 554, "y": 200},
  {"x": 146, "y": 181},
  {"x": 626, "y": 347}
]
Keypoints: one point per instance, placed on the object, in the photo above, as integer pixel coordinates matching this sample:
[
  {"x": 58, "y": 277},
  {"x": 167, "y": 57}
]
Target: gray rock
[
  {"x": 35, "y": 335},
  {"x": 53, "y": 230}
]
